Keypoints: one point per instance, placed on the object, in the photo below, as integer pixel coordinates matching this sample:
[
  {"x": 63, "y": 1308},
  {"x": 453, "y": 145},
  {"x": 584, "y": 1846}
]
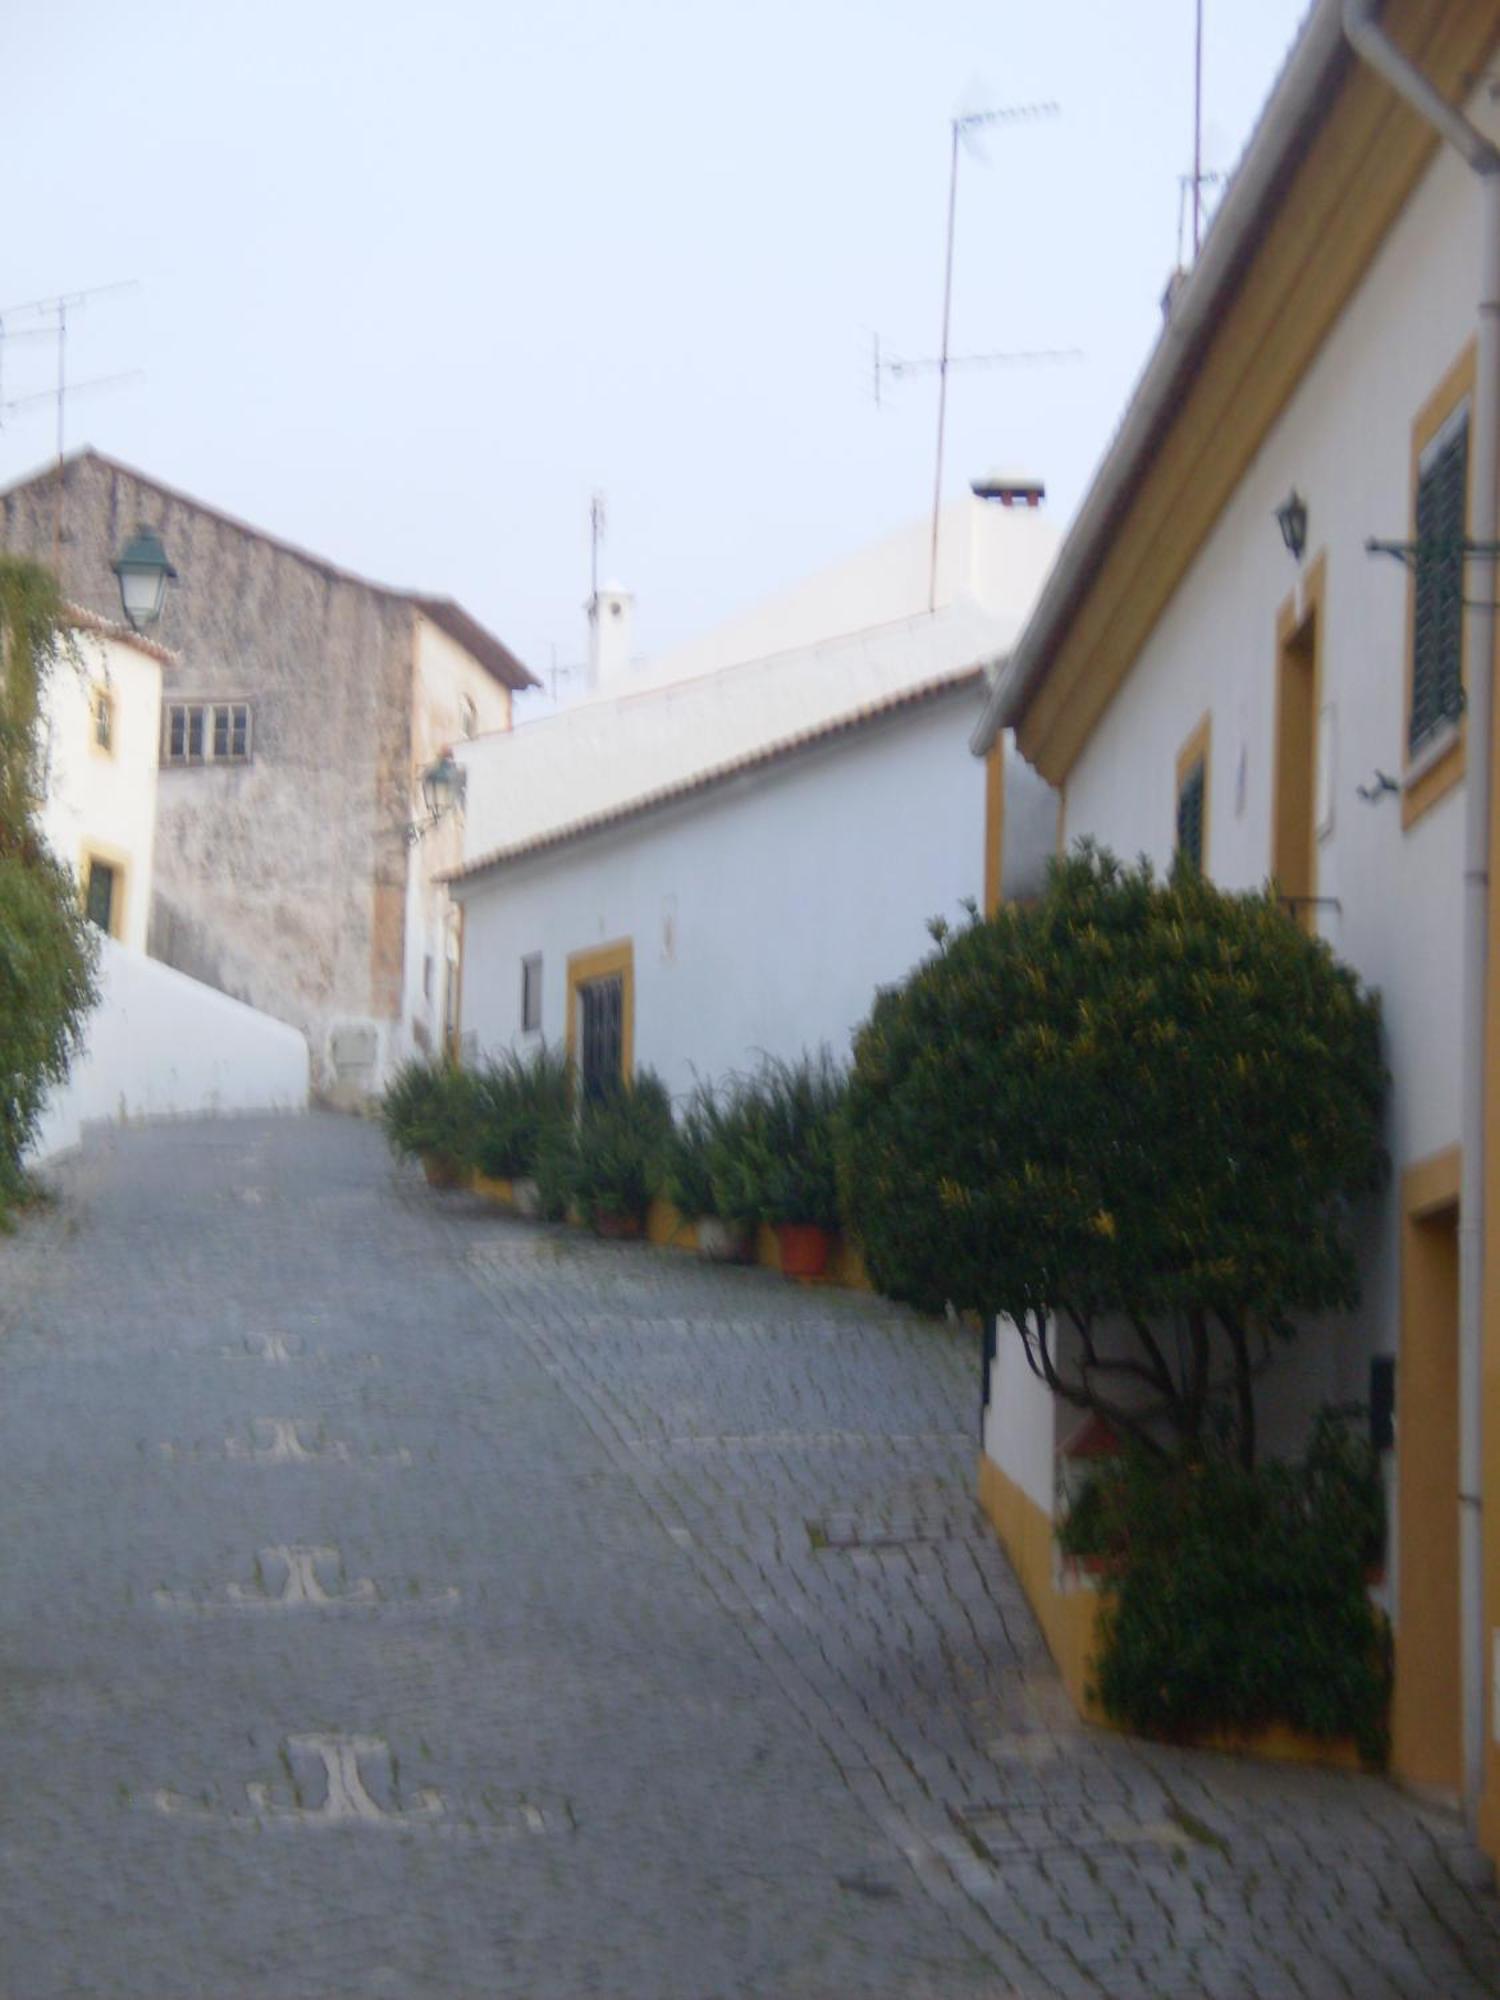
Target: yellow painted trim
[
  {"x": 100, "y": 692},
  {"x": 494, "y": 1189},
  {"x": 1363, "y": 160},
  {"x": 668, "y": 1228},
  {"x": 1068, "y": 1609},
  {"x": 1427, "y": 1705},
  {"x": 1294, "y": 793},
  {"x": 112, "y": 857},
  {"x": 994, "y": 825},
  {"x": 603, "y": 963},
  {"x": 1198, "y": 749},
  {"x": 1420, "y": 794}
]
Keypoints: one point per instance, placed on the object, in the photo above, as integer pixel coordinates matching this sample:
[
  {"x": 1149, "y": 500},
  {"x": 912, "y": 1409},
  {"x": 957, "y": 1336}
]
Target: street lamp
[
  {"x": 442, "y": 790},
  {"x": 143, "y": 572}
]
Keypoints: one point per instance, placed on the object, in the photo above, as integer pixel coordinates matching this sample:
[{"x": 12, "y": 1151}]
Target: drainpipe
[{"x": 1480, "y": 575}]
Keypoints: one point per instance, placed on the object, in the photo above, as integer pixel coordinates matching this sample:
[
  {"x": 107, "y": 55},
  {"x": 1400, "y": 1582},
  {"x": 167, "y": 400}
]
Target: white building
[
  {"x": 732, "y": 862},
  {"x": 1307, "y": 707},
  {"x": 101, "y": 728}
]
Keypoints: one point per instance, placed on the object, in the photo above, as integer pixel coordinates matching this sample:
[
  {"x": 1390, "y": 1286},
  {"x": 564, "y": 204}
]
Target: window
[
  {"x": 206, "y": 732},
  {"x": 104, "y": 721},
  {"x": 1437, "y": 679},
  {"x": 1192, "y": 797},
  {"x": 531, "y": 994},
  {"x": 101, "y": 894},
  {"x": 602, "y": 1003}
]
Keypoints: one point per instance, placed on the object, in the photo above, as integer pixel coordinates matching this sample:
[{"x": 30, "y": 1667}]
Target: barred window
[
  {"x": 531, "y": 993},
  {"x": 1437, "y": 693}
]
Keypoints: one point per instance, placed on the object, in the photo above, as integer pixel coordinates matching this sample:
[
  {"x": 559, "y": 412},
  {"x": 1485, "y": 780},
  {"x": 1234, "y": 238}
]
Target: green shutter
[
  {"x": 1437, "y": 695},
  {"x": 1190, "y": 815}
]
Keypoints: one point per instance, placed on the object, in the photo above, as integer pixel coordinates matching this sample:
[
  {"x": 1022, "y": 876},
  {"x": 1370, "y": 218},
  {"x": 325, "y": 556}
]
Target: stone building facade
[{"x": 303, "y": 704}]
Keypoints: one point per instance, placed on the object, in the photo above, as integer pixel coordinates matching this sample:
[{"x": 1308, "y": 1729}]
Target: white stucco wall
[
  {"x": 1344, "y": 443},
  {"x": 763, "y": 914},
  {"x": 99, "y": 803},
  {"x": 162, "y": 1045},
  {"x": 453, "y": 700}
]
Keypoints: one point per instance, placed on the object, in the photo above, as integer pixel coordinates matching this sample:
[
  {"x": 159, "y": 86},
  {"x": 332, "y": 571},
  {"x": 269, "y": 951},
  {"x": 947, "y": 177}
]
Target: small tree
[
  {"x": 48, "y": 951},
  {"x": 1130, "y": 1118}
]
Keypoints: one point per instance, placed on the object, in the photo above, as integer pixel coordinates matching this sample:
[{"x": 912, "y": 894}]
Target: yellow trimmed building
[{"x": 1221, "y": 660}]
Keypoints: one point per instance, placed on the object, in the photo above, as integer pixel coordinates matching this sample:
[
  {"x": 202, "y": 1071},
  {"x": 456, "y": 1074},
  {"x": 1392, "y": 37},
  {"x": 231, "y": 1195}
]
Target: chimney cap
[{"x": 1011, "y": 489}]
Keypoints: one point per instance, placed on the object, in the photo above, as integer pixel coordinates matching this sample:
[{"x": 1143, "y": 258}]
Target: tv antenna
[
  {"x": 965, "y": 127},
  {"x": 56, "y": 310},
  {"x": 596, "y": 542},
  {"x": 900, "y": 367}
]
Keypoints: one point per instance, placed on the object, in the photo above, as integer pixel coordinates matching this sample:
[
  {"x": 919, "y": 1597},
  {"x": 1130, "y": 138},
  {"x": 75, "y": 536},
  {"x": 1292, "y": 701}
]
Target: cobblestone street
[{"x": 399, "y": 1599}]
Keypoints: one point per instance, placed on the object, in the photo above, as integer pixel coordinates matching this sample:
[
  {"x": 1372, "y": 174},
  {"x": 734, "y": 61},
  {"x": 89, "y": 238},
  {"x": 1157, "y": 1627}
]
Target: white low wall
[{"x": 161, "y": 1045}]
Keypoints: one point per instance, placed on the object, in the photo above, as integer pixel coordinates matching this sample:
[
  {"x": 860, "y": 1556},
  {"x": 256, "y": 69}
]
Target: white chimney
[{"x": 610, "y": 614}]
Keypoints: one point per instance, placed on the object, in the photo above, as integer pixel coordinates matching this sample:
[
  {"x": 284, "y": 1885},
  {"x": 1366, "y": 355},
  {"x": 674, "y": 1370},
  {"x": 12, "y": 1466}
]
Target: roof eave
[{"x": 1301, "y": 94}]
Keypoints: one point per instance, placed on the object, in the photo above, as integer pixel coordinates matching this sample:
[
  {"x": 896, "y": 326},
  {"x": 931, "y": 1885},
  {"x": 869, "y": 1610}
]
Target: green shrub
[
  {"x": 47, "y": 959},
  {"x": 555, "y": 1169},
  {"x": 430, "y": 1111},
  {"x": 619, "y": 1150},
  {"x": 1238, "y": 1598},
  {"x": 1133, "y": 1114},
  {"x": 776, "y": 1159},
  {"x": 699, "y": 1168},
  {"x": 48, "y": 950},
  {"x": 518, "y": 1099}
]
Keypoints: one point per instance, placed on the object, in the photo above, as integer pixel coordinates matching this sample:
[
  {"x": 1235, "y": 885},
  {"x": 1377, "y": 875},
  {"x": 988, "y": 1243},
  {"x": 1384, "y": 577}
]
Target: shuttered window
[
  {"x": 1190, "y": 808},
  {"x": 603, "y": 1065},
  {"x": 1437, "y": 637}
]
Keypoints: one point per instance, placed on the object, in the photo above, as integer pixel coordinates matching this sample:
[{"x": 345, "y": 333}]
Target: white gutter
[
  {"x": 1284, "y": 123},
  {"x": 1480, "y": 581}
]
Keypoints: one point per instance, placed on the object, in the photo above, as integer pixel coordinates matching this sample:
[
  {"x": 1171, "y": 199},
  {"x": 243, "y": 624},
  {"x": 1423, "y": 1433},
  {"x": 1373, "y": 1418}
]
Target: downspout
[{"x": 1480, "y": 574}]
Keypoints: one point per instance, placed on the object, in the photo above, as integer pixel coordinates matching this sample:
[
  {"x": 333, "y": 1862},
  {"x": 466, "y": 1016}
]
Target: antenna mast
[{"x": 961, "y": 127}]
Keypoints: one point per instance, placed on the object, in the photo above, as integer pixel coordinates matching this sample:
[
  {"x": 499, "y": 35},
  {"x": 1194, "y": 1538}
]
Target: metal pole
[
  {"x": 937, "y": 480},
  {"x": 1198, "y": 136}
]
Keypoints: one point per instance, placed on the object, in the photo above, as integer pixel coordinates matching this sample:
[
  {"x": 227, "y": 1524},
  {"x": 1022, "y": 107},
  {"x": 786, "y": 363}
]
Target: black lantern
[
  {"x": 143, "y": 572},
  {"x": 1291, "y": 518}
]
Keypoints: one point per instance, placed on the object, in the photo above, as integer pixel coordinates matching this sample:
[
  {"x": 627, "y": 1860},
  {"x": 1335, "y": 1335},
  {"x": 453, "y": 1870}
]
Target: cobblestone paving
[{"x": 399, "y": 1600}]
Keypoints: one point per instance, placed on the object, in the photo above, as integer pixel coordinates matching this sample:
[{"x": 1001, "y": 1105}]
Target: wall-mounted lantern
[
  {"x": 443, "y": 785},
  {"x": 143, "y": 573},
  {"x": 1291, "y": 518}
]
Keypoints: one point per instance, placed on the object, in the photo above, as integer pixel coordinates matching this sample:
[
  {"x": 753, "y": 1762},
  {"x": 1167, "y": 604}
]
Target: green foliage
[
  {"x": 519, "y": 1098},
  {"x": 777, "y": 1160},
  {"x": 619, "y": 1150},
  {"x": 700, "y": 1176},
  {"x": 1134, "y": 1114},
  {"x": 430, "y": 1111},
  {"x": 48, "y": 950},
  {"x": 1238, "y": 1598}
]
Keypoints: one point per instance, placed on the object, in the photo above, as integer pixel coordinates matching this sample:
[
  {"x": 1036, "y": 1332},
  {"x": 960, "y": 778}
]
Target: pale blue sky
[{"x": 416, "y": 279}]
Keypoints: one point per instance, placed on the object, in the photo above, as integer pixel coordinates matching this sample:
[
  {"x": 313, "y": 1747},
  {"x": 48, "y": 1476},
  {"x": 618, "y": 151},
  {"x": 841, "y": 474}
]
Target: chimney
[{"x": 610, "y": 613}]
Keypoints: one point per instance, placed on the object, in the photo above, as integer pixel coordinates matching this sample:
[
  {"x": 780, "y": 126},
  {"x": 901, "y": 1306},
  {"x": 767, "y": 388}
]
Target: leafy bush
[
  {"x": 1240, "y": 1598},
  {"x": 619, "y": 1150},
  {"x": 48, "y": 950},
  {"x": 1131, "y": 1118},
  {"x": 430, "y": 1111},
  {"x": 776, "y": 1160},
  {"x": 519, "y": 1098},
  {"x": 699, "y": 1177}
]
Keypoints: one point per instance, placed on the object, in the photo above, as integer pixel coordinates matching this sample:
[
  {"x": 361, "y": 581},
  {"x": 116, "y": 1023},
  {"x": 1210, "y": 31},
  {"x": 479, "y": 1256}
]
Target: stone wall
[{"x": 281, "y": 881}]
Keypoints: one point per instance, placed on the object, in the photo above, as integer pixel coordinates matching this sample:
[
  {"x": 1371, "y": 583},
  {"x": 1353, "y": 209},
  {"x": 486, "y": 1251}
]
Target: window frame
[
  {"x": 102, "y": 704},
  {"x": 606, "y": 962},
  {"x": 201, "y": 716},
  {"x": 93, "y": 852}
]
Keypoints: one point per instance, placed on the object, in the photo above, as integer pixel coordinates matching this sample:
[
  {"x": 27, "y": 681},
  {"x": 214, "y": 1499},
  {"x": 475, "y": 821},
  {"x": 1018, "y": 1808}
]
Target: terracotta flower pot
[
  {"x": 720, "y": 1241},
  {"x": 442, "y": 1172},
  {"x": 804, "y": 1249},
  {"x": 617, "y": 1228}
]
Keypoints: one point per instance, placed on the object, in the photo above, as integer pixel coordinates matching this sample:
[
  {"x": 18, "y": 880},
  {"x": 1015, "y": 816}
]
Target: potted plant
[
  {"x": 618, "y": 1153},
  {"x": 430, "y": 1112},
  {"x": 783, "y": 1171},
  {"x": 698, "y": 1177},
  {"x": 520, "y": 1098}
]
